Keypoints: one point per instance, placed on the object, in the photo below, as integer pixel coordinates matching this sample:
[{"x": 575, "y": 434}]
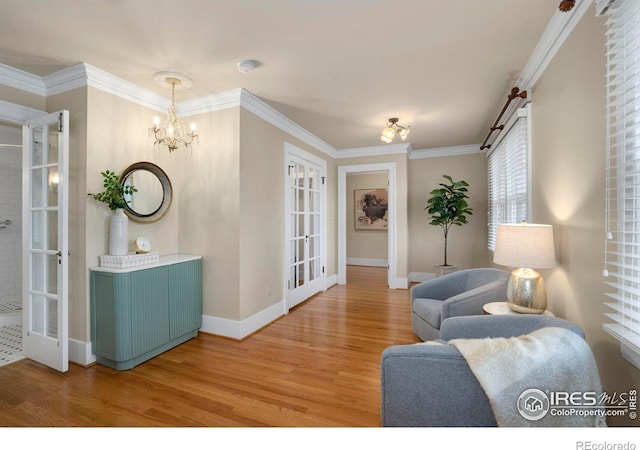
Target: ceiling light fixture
[
  {"x": 392, "y": 129},
  {"x": 247, "y": 66},
  {"x": 173, "y": 134}
]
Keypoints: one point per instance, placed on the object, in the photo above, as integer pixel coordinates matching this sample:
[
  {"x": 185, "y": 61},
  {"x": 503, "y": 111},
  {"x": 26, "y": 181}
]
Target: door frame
[
  {"x": 392, "y": 236},
  {"x": 291, "y": 150}
]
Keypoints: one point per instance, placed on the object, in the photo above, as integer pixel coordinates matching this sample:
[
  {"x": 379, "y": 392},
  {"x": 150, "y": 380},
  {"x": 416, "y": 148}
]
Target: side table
[{"x": 497, "y": 308}]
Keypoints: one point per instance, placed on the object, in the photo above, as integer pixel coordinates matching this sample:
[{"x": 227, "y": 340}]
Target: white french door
[
  {"x": 305, "y": 228},
  {"x": 45, "y": 247}
]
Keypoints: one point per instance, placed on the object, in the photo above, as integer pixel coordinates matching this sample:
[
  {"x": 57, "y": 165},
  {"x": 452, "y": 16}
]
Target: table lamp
[{"x": 526, "y": 247}]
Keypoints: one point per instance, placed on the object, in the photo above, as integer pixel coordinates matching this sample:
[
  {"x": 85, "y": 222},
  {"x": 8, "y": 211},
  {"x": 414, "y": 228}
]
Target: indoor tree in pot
[
  {"x": 448, "y": 206},
  {"x": 115, "y": 196}
]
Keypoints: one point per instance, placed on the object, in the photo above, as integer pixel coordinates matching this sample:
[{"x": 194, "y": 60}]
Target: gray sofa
[
  {"x": 461, "y": 293},
  {"x": 426, "y": 385}
]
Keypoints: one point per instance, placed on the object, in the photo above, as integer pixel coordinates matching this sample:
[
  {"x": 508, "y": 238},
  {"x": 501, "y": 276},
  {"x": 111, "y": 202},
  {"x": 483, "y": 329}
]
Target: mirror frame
[{"x": 167, "y": 191}]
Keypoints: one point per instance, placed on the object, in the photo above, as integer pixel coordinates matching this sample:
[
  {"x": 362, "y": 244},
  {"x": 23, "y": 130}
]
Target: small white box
[{"x": 129, "y": 260}]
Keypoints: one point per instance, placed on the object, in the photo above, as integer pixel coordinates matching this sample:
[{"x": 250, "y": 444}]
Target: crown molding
[
  {"x": 17, "y": 114},
  {"x": 18, "y": 79},
  {"x": 83, "y": 74},
  {"x": 445, "y": 151},
  {"x": 209, "y": 103},
  {"x": 99, "y": 79},
  {"x": 245, "y": 99},
  {"x": 555, "y": 34},
  {"x": 602, "y": 6},
  {"x": 66, "y": 79},
  {"x": 377, "y": 150},
  {"x": 559, "y": 28},
  {"x": 258, "y": 107}
]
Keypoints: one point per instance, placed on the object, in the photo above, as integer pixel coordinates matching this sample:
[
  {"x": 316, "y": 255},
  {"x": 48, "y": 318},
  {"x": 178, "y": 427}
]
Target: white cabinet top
[{"x": 164, "y": 261}]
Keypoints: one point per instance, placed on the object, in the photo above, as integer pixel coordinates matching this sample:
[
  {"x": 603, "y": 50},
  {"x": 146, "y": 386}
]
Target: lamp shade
[{"x": 525, "y": 245}]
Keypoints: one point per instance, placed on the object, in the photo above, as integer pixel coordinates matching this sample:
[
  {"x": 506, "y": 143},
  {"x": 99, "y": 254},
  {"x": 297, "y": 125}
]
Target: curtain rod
[{"x": 515, "y": 93}]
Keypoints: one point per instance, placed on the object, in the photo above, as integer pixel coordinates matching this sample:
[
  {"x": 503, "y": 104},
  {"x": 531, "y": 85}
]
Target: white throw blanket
[{"x": 549, "y": 359}]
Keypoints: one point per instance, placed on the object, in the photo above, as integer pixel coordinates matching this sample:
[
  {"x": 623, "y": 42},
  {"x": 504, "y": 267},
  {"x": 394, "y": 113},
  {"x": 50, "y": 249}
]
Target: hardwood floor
[{"x": 319, "y": 366}]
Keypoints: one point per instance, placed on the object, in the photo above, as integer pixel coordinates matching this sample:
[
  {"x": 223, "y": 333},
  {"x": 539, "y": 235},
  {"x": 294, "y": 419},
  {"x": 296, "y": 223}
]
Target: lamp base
[{"x": 526, "y": 293}]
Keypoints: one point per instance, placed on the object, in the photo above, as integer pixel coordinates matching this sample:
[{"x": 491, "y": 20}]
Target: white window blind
[
  {"x": 622, "y": 255},
  {"x": 508, "y": 169}
]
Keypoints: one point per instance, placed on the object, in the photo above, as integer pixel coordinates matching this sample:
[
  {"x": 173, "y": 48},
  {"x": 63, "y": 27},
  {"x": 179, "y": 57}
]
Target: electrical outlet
[{"x": 268, "y": 290}]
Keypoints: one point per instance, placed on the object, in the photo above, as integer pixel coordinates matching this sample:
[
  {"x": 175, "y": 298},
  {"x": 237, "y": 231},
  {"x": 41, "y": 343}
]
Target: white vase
[{"x": 118, "y": 238}]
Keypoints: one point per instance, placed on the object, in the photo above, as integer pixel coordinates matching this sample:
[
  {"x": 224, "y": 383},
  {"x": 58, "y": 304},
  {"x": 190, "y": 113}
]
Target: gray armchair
[
  {"x": 461, "y": 293},
  {"x": 426, "y": 385}
]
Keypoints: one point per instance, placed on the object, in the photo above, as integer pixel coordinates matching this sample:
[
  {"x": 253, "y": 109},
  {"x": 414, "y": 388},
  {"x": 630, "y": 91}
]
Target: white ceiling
[{"x": 339, "y": 68}]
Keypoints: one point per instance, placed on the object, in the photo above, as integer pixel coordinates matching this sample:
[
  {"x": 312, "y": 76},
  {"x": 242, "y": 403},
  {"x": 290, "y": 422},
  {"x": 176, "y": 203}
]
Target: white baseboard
[
  {"x": 80, "y": 352},
  {"x": 330, "y": 281},
  {"x": 367, "y": 262},
  {"x": 239, "y": 329},
  {"x": 401, "y": 283},
  {"x": 419, "y": 277}
]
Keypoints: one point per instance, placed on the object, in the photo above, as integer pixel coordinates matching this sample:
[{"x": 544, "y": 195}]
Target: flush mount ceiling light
[
  {"x": 173, "y": 133},
  {"x": 392, "y": 129},
  {"x": 247, "y": 66}
]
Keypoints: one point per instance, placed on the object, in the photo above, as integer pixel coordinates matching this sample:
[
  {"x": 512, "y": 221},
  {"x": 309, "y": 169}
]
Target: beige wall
[
  {"x": 115, "y": 151},
  {"x": 19, "y": 97},
  {"x": 365, "y": 244},
  {"x": 568, "y": 190},
  {"x": 467, "y": 245},
  {"x": 207, "y": 190},
  {"x": 262, "y": 212},
  {"x": 116, "y": 137}
]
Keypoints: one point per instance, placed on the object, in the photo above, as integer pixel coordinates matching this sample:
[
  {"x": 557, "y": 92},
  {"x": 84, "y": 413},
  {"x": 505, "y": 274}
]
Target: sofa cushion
[{"x": 429, "y": 310}]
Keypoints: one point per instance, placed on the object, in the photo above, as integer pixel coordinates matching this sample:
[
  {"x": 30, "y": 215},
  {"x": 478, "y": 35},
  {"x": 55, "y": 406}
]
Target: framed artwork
[{"x": 371, "y": 208}]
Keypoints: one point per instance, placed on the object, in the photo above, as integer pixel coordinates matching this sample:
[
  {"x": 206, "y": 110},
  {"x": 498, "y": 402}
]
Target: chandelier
[
  {"x": 173, "y": 134},
  {"x": 392, "y": 129}
]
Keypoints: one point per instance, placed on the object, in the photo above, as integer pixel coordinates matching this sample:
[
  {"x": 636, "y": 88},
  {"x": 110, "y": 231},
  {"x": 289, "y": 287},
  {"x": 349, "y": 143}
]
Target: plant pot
[
  {"x": 443, "y": 270},
  {"x": 118, "y": 234}
]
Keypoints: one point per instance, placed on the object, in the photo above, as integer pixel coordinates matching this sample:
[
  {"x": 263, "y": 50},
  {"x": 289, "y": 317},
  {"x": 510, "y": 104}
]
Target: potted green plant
[
  {"x": 448, "y": 206},
  {"x": 116, "y": 195}
]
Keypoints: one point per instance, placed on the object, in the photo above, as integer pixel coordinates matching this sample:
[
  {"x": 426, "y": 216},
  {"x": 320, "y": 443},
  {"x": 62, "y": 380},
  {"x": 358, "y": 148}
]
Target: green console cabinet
[{"x": 140, "y": 312}]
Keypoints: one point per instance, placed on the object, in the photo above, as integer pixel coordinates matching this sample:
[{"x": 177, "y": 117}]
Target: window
[
  {"x": 622, "y": 244},
  {"x": 509, "y": 175}
]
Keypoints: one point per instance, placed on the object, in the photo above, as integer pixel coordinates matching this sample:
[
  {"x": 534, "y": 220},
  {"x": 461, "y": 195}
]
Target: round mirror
[{"x": 154, "y": 193}]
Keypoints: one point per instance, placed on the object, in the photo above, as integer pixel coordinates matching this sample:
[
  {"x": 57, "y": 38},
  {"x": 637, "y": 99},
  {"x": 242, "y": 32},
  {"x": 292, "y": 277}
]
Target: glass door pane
[
  {"x": 44, "y": 235},
  {"x": 297, "y": 225},
  {"x": 303, "y": 206}
]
